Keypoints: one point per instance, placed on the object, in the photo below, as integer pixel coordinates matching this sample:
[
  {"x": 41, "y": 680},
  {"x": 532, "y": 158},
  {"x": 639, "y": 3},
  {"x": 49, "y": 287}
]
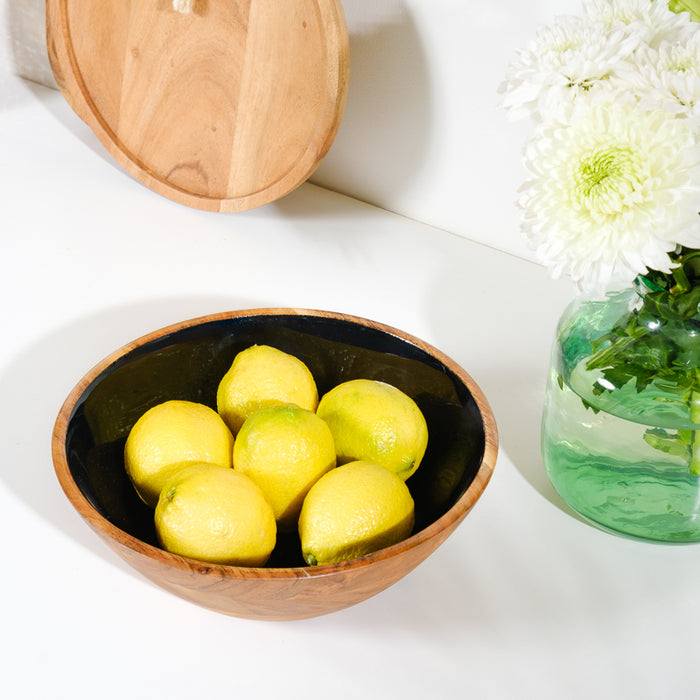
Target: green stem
[
  {"x": 695, "y": 441},
  {"x": 681, "y": 279}
]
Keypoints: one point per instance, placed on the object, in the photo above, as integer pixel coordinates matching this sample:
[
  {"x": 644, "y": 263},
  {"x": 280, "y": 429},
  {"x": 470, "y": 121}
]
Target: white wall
[
  {"x": 23, "y": 39},
  {"x": 422, "y": 134}
]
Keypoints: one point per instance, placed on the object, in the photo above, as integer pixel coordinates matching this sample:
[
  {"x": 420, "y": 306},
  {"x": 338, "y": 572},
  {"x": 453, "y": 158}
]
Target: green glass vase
[{"x": 621, "y": 421}]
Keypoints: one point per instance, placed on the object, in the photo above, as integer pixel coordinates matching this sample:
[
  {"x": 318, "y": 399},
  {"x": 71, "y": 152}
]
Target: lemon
[
  {"x": 169, "y": 434},
  {"x": 216, "y": 515},
  {"x": 263, "y": 376},
  {"x": 353, "y": 510},
  {"x": 284, "y": 449},
  {"x": 376, "y": 422}
]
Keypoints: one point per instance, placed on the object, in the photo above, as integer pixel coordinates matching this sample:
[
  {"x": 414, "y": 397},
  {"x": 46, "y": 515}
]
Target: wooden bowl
[{"x": 186, "y": 361}]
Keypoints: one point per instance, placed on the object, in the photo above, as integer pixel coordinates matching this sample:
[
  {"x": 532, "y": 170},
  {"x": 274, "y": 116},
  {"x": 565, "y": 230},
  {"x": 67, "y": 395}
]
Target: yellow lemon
[
  {"x": 376, "y": 422},
  {"x": 284, "y": 449},
  {"x": 169, "y": 434},
  {"x": 263, "y": 376},
  {"x": 216, "y": 515},
  {"x": 353, "y": 510}
]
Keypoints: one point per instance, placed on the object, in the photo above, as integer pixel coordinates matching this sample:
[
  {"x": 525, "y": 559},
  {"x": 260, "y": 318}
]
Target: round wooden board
[{"x": 225, "y": 108}]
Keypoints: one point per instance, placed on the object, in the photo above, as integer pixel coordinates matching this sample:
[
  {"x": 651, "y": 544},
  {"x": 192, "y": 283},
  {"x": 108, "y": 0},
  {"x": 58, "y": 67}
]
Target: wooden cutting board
[{"x": 225, "y": 106}]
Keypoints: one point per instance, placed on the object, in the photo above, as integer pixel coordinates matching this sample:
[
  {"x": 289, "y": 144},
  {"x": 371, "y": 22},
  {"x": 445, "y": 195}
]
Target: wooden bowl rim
[{"x": 449, "y": 519}]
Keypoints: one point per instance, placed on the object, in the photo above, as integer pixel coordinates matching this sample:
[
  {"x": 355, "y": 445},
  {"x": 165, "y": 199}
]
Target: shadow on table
[
  {"x": 38, "y": 379},
  {"x": 516, "y": 319}
]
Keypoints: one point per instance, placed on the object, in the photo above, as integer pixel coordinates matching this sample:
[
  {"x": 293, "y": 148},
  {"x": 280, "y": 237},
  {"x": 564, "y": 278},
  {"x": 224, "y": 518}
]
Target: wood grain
[{"x": 223, "y": 108}]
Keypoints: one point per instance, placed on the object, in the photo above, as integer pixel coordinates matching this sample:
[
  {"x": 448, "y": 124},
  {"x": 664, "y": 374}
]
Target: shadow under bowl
[{"x": 186, "y": 361}]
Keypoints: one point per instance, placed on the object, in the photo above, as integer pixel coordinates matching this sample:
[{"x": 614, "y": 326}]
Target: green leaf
[
  {"x": 691, "y": 6},
  {"x": 669, "y": 443},
  {"x": 658, "y": 340},
  {"x": 652, "y": 341}
]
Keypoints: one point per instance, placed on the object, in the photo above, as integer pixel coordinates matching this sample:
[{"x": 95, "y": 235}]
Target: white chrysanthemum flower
[
  {"x": 567, "y": 62},
  {"x": 651, "y": 18},
  {"x": 612, "y": 194},
  {"x": 667, "y": 77}
]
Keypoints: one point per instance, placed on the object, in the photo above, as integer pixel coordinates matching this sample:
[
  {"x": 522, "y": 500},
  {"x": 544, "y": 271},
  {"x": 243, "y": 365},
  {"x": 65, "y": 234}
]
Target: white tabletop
[{"x": 524, "y": 601}]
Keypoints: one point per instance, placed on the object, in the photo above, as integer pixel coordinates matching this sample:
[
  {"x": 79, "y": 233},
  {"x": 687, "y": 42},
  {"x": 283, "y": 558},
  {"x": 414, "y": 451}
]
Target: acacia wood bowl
[{"x": 186, "y": 361}]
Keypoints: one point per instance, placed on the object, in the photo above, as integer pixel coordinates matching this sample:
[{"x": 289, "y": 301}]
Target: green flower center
[
  {"x": 567, "y": 44},
  {"x": 605, "y": 177},
  {"x": 682, "y": 66}
]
